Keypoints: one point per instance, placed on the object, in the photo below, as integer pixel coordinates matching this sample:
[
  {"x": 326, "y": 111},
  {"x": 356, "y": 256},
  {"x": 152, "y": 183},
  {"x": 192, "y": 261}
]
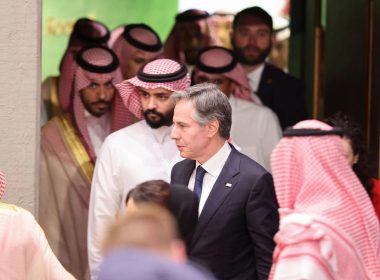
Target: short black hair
[
  {"x": 153, "y": 191},
  {"x": 253, "y": 12},
  {"x": 352, "y": 131}
]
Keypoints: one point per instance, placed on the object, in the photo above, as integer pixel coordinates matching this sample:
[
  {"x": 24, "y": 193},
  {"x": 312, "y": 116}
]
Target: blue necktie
[{"x": 199, "y": 174}]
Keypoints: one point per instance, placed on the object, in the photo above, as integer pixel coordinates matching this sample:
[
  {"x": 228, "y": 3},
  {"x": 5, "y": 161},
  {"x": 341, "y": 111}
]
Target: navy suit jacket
[
  {"x": 284, "y": 94},
  {"x": 183, "y": 204},
  {"x": 234, "y": 233}
]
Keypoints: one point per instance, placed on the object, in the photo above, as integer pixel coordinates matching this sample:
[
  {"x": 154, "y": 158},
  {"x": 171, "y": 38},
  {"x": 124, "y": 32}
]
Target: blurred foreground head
[{"x": 149, "y": 227}]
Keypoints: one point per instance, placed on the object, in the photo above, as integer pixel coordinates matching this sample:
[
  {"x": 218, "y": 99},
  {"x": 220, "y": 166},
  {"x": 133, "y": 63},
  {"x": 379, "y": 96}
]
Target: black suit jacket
[
  {"x": 234, "y": 233},
  {"x": 183, "y": 204},
  {"x": 284, "y": 94}
]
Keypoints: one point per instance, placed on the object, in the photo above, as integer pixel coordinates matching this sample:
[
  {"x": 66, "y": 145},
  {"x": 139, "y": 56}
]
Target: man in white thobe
[{"x": 140, "y": 152}]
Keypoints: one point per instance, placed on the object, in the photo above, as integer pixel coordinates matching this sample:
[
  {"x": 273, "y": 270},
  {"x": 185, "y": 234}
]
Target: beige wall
[{"x": 19, "y": 90}]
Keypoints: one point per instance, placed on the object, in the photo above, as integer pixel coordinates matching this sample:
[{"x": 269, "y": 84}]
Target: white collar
[
  {"x": 102, "y": 121},
  {"x": 162, "y": 133},
  {"x": 214, "y": 165},
  {"x": 255, "y": 76}
]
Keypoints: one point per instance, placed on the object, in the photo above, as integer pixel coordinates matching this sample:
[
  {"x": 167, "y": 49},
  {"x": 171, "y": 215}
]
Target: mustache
[
  {"x": 252, "y": 48},
  {"x": 153, "y": 111},
  {"x": 102, "y": 102}
]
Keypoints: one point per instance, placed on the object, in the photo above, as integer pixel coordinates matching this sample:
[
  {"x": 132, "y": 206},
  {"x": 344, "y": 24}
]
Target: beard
[
  {"x": 90, "y": 107},
  {"x": 160, "y": 120},
  {"x": 250, "y": 60}
]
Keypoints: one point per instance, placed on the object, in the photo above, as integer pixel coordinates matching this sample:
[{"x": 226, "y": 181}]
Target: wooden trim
[
  {"x": 316, "y": 71},
  {"x": 370, "y": 71}
]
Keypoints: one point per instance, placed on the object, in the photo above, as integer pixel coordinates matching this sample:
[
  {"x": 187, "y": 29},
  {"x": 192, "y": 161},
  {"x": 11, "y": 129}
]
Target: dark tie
[{"x": 199, "y": 174}]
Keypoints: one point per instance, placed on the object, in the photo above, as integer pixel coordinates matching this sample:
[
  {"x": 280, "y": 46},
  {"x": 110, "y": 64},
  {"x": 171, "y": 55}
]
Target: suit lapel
[
  {"x": 265, "y": 85},
  {"x": 184, "y": 174},
  {"x": 226, "y": 181}
]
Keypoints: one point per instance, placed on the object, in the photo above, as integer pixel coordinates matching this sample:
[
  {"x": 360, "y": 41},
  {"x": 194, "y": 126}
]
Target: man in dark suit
[
  {"x": 237, "y": 205},
  {"x": 252, "y": 38}
]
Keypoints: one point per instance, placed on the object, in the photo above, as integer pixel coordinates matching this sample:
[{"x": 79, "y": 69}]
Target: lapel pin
[{"x": 229, "y": 185}]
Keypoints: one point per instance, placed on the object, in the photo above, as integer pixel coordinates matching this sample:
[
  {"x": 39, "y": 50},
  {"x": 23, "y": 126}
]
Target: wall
[
  {"x": 59, "y": 17},
  {"x": 19, "y": 112}
]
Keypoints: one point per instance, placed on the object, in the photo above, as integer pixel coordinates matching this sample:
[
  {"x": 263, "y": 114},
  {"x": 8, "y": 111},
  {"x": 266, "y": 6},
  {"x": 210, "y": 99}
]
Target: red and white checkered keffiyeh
[
  {"x": 115, "y": 34},
  {"x": 3, "y": 184},
  {"x": 312, "y": 177},
  {"x": 129, "y": 89},
  {"x": 90, "y": 29},
  {"x": 83, "y": 78},
  {"x": 172, "y": 48},
  {"x": 218, "y": 57},
  {"x": 139, "y": 33}
]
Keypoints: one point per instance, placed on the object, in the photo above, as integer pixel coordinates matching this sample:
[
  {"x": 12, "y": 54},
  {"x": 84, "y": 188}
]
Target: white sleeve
[
  {"x": 41, "y": 263},
  {"x": 270, "y": 134},
  {"x": 105, "y": 201},
  {"x": 301, "y": 267}
]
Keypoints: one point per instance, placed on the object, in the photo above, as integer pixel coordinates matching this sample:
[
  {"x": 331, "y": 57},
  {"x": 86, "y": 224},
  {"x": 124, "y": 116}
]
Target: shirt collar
[
  {"x": 91, "y": 120},
  {"x": 215, "y": 164},
  {"x": 161, "y": 133},
  {"x": 255, "y": 76}
]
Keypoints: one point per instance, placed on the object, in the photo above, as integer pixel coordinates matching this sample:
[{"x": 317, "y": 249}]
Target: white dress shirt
[
  {"x": 128, "y": 157},
  {"x": 98, "y": 129},
  {"x": 255, "y": 130},
  {"x": 213, "y": 168},
  {"x": 254, "y": 78}
]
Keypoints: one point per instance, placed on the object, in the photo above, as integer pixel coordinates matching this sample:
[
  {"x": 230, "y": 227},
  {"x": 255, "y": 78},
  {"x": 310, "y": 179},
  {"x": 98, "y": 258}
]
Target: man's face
[
  {"x": 192, "y": 39},
  {"x": 191, "y": 138},
  {"x": 221, "y": 81},
  {"x": 137, "y": 59},
  {"x": 252, "y": 41},
  {"x": 157, "y": 106},
  {"x": 98, "y": 96}
]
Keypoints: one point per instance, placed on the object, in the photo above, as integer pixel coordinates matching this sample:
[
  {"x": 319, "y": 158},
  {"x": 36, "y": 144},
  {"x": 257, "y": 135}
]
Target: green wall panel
[{"x": 59, "y": 17}]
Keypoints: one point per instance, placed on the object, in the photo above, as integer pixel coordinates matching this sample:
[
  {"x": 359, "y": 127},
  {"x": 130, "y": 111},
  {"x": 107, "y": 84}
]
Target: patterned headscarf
[
  {"x": 99, "y": 63},
  {"x": 85, "y": 32},
  {"x": 159, "y": 73},
  {"x": 136, "y": 37},
  {"x": 219, "y": 60},
  {"x": 172, "y": 48},
  {"x": 312, "y": 177},
  {"x": 3, "y": 184},
  {"x": 115, "y": 34}
]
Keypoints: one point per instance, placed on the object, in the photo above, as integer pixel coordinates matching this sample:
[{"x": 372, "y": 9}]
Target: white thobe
[
  {"x": 255, "y": 130},
  {"x": 98, "y": 129},
  {"x": 128, "y": 157},
  {"x": 25, "y": 252}
]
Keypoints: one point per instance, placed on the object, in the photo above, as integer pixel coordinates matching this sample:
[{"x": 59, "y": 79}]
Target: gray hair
[{"x": 209, "y": 104}]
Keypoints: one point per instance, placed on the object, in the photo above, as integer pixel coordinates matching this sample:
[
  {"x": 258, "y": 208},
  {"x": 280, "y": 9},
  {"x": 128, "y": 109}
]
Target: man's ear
[
  {"x": 356, "y": 158},
  {"x": 213, "y": 128}
]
